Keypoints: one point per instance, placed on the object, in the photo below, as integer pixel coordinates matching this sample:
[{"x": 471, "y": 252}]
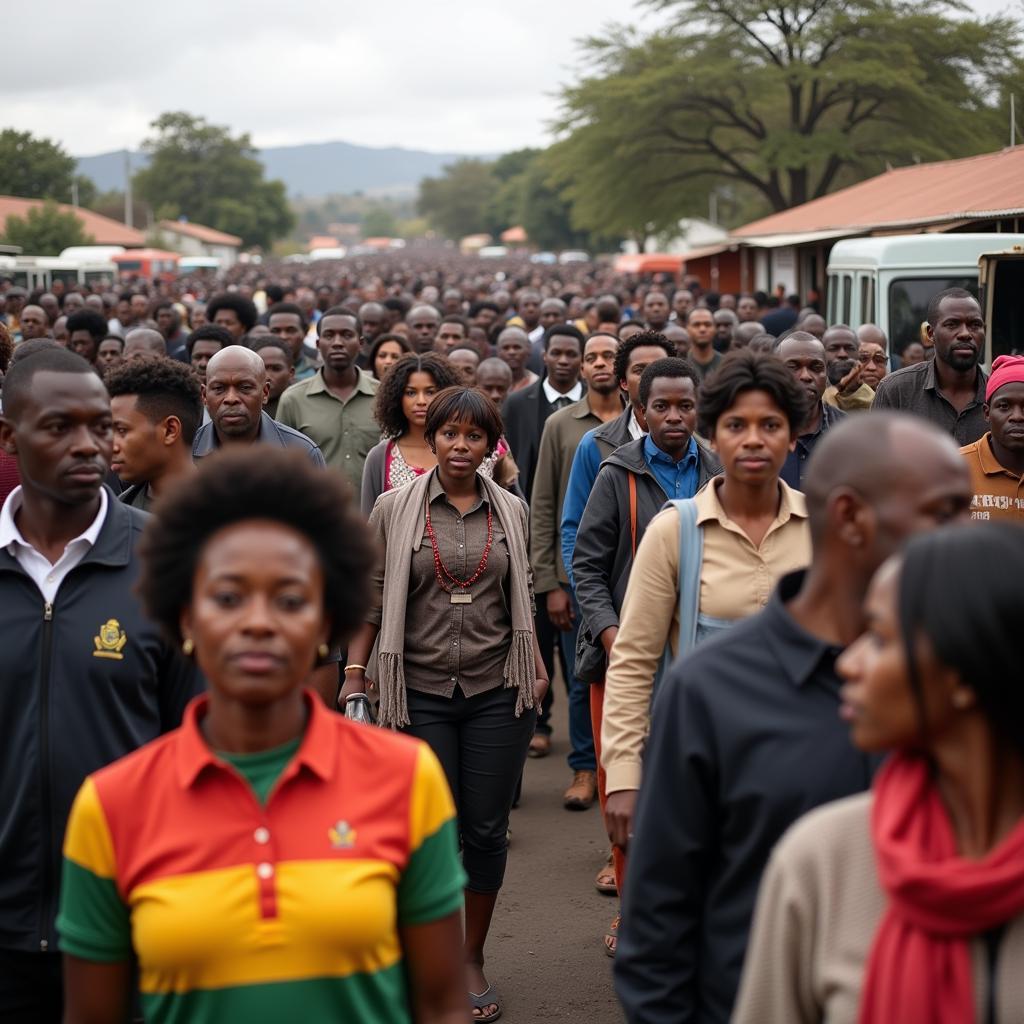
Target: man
[
  {"x": 782, "y": 319},
  {"x": 74, "y": 301},
  {"x": 812, "y": 323},
  {"x": 277, "y": 361},
  {"x": 168, "y": 322},
  {"x": 234, "y": 313},
  {"x": 726, "y": 322},
  {"x": 465, "y": 361},
  {"x": 50, "y": 305},
  {"x": 34, "y": 323},
  {"x": 746, "y": 332},
  {"x": 745, "y": 733},
  {"x": 140, "y": 308},
  {"x": 804, "y": 357},
  {"x": 451, "y": 302},
  {"x": 14, "y": 301},
  {"x": 655, "y": 311},
  {"x": 746, "y": 309},
  {"x": 110, "y": 354},
  {"x": 203, "y": 344},
  {"x": 424, "y": 322},
  {"x": 552, "y": 311},
  {"x": 451, "y": 334},
  {"x": 514, "y": 349},
  {"x": 560, "y": 438},
  {"x": 526, "y": 411},
  {"x": 60, "y": 331},
  {"x": 700, "y": 326},
  {"x": 373, "y": 316},
  {"x": 334, "y": 407},
  {"x": 286, "y": 322},
  {"x": 122, "y": 320},
  {"x": 949, "y": 390},
  {"x": 87, "y": 677},
  {"x": 528, "y": 314},
  {"x": 873, "y": 353},
  {"x": 996, "y": 461},
  {"x": 494, "y": 379},
  {"x": 157, "y": 406},
  {"x": 682, "y": 303},
  {"x": 86, "y": 329},
  {"x": 144, "y": 343},
  {"x": 847, "y": 388}
]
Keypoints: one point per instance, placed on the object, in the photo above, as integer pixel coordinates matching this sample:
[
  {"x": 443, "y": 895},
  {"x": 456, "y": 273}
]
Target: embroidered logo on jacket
[
  {"x": 342, "y": 835},
  {"x": 110, "y": 643}
]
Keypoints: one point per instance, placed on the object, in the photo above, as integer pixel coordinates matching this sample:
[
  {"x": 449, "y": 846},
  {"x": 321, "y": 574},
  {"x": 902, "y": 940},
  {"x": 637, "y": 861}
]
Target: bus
[{"x": 151, "y": 264}]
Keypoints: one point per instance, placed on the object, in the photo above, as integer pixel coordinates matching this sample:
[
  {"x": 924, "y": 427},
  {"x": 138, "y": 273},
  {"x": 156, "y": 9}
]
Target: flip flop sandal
[
  {"x": 611, "y": 938},
  {"x": 605, "y": 880},
  {"x": 486, "y": 998}
]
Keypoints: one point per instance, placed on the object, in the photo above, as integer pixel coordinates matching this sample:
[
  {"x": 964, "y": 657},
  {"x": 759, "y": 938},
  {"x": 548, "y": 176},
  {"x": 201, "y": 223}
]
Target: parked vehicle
[{"x": 152, "y": 264}]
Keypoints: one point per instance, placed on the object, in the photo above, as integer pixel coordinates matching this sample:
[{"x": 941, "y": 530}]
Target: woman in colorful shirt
[{"x": 269, "y": 860}]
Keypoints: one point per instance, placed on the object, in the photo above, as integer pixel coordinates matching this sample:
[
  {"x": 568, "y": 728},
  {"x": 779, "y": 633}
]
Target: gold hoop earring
[
  {"x": 188, "y": 647},
  {"x": 323, "y": 650}
]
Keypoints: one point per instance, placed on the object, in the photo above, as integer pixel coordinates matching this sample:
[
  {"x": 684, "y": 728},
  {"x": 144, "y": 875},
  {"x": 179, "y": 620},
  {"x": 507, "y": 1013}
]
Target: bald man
[
  {"x": 235, "y": 392},
  {"x": 34, "y": 323},
  {"x": 144, "y": 343},
  {"x": 747, "y": 736}
]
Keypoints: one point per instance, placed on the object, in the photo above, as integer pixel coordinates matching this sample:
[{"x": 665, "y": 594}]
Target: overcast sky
[{"x": 449, "y": 75}]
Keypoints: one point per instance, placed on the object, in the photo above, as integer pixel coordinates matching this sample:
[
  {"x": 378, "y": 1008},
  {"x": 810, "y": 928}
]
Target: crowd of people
[{"x": 772, "y": 567}]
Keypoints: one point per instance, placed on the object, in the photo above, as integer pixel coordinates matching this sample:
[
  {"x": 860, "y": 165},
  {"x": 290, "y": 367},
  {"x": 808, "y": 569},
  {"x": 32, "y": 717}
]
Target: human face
[
  {"x": 373, "y": 326},
  {"x": 111, "y": 352},
  {"x": 338, "y": 342},
  {"x": 139, "y": 308},
  {"x": 874, "y": 363},
  {"x": 878, "y": 699},
  {"x": 34, "y": 323},
  {"x": 387, "y": 355},
  {"x": 84, "y": 344},
  {"x": 485, "y": 318},
  {"x": 449, "y": 337},
  {"x": 288, "y": 327},
  {"x": 60, "y": 331},
  {"x": 228, "y": 319},
  {"x": 465, "y": 361},
  {"x": 202, "y": 352},
  {"x": 562, "y": 360},
  {"x": 841, "y": 345},
  {"x": 62, "y": 436},
  {"x": 198, "y": 315},
  {"x": 701, "y": 328},
  {"x": 235, "y": 395},
  {"x": 513, "y": 350},
  {"x": 124, "y": 312},
  {"x": 958, "y": 333},
  {"x": 529, "y": 309},
  {"x": 280, "y": 371},
  {"x": 682, "y": 303},
  {"x": 806, "y": 361},
  {"x": 639, "y": 359},
  {"x": 913, "y": 354},
  {"x": 1005, "y": 414},
  {"x": 419, "y": 390},
  {"x": 656, "y": 310},
  {"x": 723, "y": 328},
  {"x": 599, "y": 364},
  {"x": 552, "y": 311},
  {"x": 671, "y": 414},
  {"x": 460, "y": 448},
  {"x": 166, "y": 321},
  {"x": 752, "y": 439},
  {"x": 746, "y": 309},
  {"x": 256, "y": 614},
  {"x": 139, "y": 451},
  {"x": 423, "y": 328},
  {"x": 494, "y": 385},
  {"x": 73, "y": 302}
]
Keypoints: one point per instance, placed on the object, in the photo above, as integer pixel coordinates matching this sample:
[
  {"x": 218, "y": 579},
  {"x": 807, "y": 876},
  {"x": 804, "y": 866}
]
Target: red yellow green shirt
[{"x": 242, "y": 911}]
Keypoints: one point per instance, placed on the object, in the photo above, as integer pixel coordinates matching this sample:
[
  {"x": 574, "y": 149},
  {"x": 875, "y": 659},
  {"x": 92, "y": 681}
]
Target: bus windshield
[{"x": 908, "y": 305}]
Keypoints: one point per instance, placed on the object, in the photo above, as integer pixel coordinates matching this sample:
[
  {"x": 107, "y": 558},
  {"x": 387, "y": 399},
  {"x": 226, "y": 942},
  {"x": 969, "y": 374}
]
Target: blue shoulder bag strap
[{"x": 691, "y": 555}]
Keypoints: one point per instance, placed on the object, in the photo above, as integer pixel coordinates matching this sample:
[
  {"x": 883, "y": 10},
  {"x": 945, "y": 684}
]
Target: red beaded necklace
[{"x": 441, "y": 570}]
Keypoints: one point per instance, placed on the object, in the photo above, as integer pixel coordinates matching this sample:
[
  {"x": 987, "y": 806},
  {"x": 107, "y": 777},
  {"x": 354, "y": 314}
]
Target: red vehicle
[{"x": 152, "y": 264}]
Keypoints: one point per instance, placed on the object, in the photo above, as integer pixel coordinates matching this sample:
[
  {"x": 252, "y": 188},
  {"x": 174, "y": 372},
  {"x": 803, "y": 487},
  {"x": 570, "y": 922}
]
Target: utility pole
[
  {"x": 74, "y": 192},
  {"x": 128, "y": 188},
  {"x": 1013, "y": 122}
]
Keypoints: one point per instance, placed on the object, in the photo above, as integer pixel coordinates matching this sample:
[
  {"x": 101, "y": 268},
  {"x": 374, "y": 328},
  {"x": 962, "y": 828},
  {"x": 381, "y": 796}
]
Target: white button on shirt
[{"x": 46, "y": 577}]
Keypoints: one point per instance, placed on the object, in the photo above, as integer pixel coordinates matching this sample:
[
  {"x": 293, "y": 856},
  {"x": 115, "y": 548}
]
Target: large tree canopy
[
  {"x": 39, "y": 169},
  {"x": 199, "y": 171},
  {"x": 783, "y": 101},
  {"x": 45, "y": 230}
]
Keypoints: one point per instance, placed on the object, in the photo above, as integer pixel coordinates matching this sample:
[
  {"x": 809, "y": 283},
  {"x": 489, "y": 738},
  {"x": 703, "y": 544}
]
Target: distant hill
[{"x": 318, "y": 169}]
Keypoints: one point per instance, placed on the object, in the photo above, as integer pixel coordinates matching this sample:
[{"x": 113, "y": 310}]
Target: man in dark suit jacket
[{"x": 525, "y": 412}]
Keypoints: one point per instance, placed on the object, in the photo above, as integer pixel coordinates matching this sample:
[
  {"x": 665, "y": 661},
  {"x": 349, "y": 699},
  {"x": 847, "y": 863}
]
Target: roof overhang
[{"x": 795, "y": 238}]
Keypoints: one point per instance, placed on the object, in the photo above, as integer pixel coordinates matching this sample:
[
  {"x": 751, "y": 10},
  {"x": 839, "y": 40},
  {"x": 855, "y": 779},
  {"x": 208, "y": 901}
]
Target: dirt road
[{"x": 545, "y": 953}]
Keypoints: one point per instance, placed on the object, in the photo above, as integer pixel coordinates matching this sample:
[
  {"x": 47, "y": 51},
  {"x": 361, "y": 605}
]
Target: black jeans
[
  {"x": 31, "y": 988},
  {"x": 482, "y": 747}
]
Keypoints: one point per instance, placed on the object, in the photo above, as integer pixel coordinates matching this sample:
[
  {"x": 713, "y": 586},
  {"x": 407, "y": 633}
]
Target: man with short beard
[{"x": 847, "y": 390}]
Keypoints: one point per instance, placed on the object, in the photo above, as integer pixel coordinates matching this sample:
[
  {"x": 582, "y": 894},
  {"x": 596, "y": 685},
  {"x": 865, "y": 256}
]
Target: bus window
[
  {"x": 908, "y": 305},
  {"x": 867, "y": 299},
  {"x": 844, "y": 316}
]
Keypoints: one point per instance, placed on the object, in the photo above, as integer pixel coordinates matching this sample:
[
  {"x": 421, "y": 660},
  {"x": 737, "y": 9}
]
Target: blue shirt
[
  {"x": 676, "y": 479},
  {"x": 585, "y": 464}
]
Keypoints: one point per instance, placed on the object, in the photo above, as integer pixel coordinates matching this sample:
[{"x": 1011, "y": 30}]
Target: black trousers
[
  {"x": 31, "y": 988},
  {"x": 482, "y": 747}
]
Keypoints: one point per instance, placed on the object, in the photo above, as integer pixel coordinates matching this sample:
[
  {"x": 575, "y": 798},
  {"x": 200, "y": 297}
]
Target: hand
[
  {"x": 560, "y": 610},
  {"x": 540, "y": 688},
  {"x": 355, "y": 682},
  {"x": 619, "y": 811},
  {"x": 851, "y": 381},
  {"x": 608, "y": 639}
]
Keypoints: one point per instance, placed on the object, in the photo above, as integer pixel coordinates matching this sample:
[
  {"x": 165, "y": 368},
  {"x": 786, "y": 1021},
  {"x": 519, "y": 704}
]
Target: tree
[
  {"x": 379, "y": 222},
  {"x": 35, "y": 168},
  {"x": 45, "y": 230},
  {"x": 783, "y": 100},
  {"x": 199, "y": 171},
  {"x": 456, "y": 203}
]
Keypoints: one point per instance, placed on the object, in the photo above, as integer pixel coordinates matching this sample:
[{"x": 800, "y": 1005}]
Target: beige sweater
[{"x": 819, "y": 907}]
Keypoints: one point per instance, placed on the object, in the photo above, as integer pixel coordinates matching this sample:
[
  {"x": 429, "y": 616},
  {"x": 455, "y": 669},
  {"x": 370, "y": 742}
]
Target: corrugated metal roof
[
  {"x": 104, "y": 230},
  {"x": 973, "y": 188}
]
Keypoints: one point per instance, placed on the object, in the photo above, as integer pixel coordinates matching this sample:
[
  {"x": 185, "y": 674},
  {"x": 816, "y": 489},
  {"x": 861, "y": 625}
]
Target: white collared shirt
[
  {"x": 553, "y": 396},
  {"x": 46, "y": 577},
  {"x": 635, "y": 430}
]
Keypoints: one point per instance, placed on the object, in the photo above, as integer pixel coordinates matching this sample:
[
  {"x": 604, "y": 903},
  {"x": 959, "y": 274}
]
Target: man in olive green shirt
[{"x": 334, "y": 407}]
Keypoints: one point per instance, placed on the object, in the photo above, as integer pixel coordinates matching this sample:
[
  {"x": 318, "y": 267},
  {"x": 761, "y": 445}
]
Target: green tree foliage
[
  {"x": 379, "y": 222},
  {"x": 199, "y": 171},
  {"x": 45, "y": 230},
  {"x": 35, "y": 168},
  {"x": 783, "y": 101},
  {"x": 457, "y": 202}
]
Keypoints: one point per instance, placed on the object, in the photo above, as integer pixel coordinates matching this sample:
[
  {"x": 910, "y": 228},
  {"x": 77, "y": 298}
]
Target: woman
[
  {"x": 706, "y": 562},
  {"x": 401, "y": 410},
  {"x": 451, "y": 615},
  {"x": 907, "y": 903},
  {"x": 385, "y": 352},
  {"x": 269, "y": 860}
]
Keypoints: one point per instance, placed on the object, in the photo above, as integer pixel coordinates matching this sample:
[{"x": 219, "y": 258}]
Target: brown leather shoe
[
  {"x": 580, "y": 795},
  {"x": 540, "y": 745}
]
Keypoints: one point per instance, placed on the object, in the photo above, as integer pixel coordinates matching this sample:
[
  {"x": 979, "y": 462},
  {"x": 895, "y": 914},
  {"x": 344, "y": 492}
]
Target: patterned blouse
[{"x": 398, "y": 472}]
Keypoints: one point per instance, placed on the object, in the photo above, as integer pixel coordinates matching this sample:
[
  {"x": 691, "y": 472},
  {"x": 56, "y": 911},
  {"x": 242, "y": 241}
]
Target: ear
[
  {"x": 985, "y": 409},
  {"x": 171, "y": 430},
  {"x": 7, "y": 440},
  {"x": 266, "y": 391},
  {"x": 850, "y": 519},
  {"x": 202, "y": 388},
  {"x": 930, "y": 332},
  {"x": 185, "y": 622}
]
